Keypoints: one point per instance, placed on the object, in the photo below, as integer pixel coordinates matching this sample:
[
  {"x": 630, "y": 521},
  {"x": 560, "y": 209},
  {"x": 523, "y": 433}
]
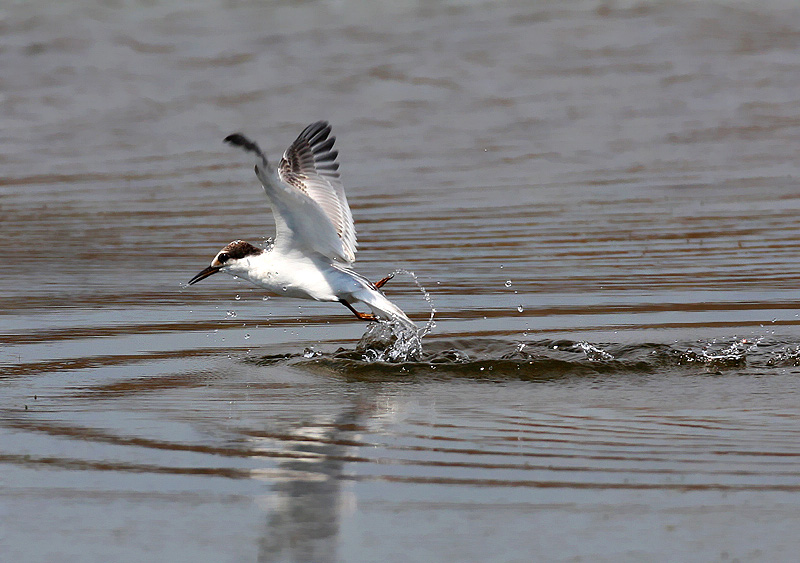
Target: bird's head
[{"x": 231, "y": 259}]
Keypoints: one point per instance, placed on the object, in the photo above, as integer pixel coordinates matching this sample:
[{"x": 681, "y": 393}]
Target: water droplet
[
  {"x": 501, "y": 266},
  {"x": 520, "y": 308},
  {"x": 231, "y": 314},
  {"x": 236, "y": 277},
  {"x": 265, "y": 298},
  {"x": 284, "y": 288},
  {"x": 247, "y": 337},
  {"x": 237, "y": 297},
  {"x": 508, "y": 283}
]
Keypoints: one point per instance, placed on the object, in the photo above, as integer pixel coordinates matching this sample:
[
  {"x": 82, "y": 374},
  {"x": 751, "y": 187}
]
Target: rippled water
[{"x": 600, "y": 198}]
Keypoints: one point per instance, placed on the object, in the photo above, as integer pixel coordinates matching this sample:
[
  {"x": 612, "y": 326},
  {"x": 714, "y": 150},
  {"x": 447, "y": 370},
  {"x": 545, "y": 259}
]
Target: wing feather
[
  {"x": 310, "y": 165},
  {"x": 306, "y": 194}
]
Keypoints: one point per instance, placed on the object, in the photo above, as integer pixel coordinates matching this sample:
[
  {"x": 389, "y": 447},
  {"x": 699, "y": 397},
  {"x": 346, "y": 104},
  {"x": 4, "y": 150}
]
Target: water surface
[{"x": 600, "y": 198}]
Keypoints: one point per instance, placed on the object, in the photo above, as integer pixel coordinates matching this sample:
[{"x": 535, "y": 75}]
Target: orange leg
[
  {"x": 380, "y": 283},
  {"x": 362, "y": 316}
]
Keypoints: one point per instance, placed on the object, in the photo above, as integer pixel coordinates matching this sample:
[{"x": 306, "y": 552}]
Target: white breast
[{"x": 293, "y": 276}]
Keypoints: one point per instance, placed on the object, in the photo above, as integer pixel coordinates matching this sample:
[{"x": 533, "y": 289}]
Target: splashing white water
[
  {"x": 311, "y": 353},
  {"x": 733, "y": 355},
  {"x": 786, "y": 357},
  {"x": 425, "y": 295},
  {"x": 389, "y": 341},
  {"x": 594, "y": 353},
  {"x": 392, "y": 341}
]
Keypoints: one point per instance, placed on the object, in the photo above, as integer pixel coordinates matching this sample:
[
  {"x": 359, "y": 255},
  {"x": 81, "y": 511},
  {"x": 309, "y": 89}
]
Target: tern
[{"x": 315, "y": 239}]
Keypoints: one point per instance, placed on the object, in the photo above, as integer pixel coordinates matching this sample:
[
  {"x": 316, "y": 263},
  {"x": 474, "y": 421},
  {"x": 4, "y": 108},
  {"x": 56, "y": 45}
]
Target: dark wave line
[{"x": 536, "y": 484}]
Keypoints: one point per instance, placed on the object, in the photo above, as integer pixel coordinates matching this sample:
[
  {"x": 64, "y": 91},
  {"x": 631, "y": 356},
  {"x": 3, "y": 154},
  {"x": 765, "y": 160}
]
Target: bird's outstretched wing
[
  {"x": 310, "y": 165},
  {"x": 307, "y": 196}
]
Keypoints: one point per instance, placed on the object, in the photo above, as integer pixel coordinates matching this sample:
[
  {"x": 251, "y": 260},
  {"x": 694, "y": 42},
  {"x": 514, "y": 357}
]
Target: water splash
[
  {"x": 431, "y": 324},
  {"x": 393, "y": 341},
  {"x": 787, "y": 357},
  {"x": 735, "y": 354},
  {"x": 378, "y": 355},
  {"x": 389, "y": 341},
  {"x": 311, "y": 353},
  {"x": 594, "y": 353}
]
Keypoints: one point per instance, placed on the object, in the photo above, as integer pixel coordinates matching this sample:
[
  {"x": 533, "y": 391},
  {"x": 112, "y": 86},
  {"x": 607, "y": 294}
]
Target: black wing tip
[
  {"x": 239, "y": 140},
  {"x": 236, "y": 139},
  {"x": 316, "y": 132},
  {"x": 321, "y": 124}
]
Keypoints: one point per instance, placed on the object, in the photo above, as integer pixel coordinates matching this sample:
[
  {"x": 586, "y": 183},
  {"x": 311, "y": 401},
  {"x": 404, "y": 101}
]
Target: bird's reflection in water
[{"x": 308, "y": 502}]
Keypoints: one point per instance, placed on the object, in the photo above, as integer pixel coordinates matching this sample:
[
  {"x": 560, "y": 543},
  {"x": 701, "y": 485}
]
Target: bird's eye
[{"x": 223, "y": 257}]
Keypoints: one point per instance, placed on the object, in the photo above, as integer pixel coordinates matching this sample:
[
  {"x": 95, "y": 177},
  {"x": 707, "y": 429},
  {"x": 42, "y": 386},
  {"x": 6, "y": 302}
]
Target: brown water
[{"x": 599, "y": 197}]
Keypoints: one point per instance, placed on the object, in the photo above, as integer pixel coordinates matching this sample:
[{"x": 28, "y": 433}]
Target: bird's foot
[
  {"x": 366, "y": 316},
  {"x": 380, "y": 283},
  {"x": 362, "y": 316}
]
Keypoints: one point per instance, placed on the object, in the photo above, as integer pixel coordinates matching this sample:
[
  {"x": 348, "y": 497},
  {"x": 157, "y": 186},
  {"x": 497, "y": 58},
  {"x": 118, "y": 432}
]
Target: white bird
[{"x": 315, "y": 240}]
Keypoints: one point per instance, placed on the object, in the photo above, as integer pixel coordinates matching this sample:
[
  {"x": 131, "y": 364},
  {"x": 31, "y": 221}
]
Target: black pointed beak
[{"x": 211, "y": 270}]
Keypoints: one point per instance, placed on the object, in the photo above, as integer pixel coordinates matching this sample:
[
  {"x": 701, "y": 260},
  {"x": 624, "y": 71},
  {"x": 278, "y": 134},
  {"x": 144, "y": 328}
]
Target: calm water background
[{"x": 601, "y": 198}]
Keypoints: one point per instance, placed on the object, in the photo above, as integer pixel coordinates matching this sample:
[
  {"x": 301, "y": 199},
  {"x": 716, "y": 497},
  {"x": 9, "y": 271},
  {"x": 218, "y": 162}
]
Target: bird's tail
[{"x": 384, "y": 309}]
